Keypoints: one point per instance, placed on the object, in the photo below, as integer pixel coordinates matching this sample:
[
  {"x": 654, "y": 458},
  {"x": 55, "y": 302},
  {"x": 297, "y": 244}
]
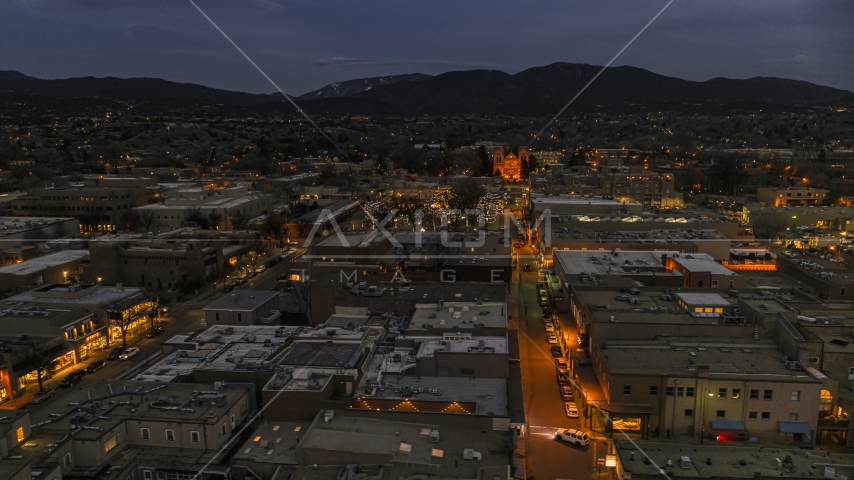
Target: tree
[
  {"x": 122, "y": 321},
  {"x": 409, "y": 207},
  {"x": 485, "y": 161},
  {"x": 31, "y": 354},
  {"x": 195, "y": 215},
  {"x": 465, "y": 196},
  {"x": 214, "y": 218},
  {"x": 238, "y": 221},
  {"x": 146, "y": 219},
  {"x": 130, "y": 220},
  {"x": 525, "y": 169}
]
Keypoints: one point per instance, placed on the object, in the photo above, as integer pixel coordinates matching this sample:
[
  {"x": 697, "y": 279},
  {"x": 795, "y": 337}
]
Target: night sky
[{"x": 305, "y": 45}]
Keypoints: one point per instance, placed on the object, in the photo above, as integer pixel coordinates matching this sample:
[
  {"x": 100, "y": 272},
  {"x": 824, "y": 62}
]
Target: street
[{"x": 547, "y": 458}]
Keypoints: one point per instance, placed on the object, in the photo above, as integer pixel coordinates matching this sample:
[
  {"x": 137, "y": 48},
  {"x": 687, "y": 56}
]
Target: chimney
[
  {"x": 664, "y": 260},
  {"x": 120, "y": 287},
  {"x": 233, "y": 298}
]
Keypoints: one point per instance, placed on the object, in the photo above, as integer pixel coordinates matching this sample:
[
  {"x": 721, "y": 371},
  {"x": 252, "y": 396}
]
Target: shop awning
[
  {"x": 726, "y": 425},
  {"x": 793, "y": 427}
]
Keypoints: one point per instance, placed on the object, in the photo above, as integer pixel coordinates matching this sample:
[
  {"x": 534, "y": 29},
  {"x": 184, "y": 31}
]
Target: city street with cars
[{"x": 558, "y": 446}]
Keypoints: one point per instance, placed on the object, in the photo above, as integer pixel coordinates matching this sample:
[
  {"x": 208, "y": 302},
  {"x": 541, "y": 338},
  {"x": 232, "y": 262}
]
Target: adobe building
[{"x": 509, "y": 166}]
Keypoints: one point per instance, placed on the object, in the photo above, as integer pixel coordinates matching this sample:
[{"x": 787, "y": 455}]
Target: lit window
[{"x": 111, "y": 443}]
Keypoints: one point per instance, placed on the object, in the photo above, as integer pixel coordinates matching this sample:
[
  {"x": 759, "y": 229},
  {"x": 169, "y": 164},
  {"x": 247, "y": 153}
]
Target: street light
[
  {"x": 65, "y": 277},
  {"x": 703, "y": 418}
]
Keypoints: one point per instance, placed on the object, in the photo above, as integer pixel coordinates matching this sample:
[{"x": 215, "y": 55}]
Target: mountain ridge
[{"x": 535, "y": 91}]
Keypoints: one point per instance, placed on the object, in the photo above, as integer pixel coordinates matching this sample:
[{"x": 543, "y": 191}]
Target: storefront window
[
  {"x": 62, "y": 362},
  {"x": 626, "y": 423},
  {"x": 3, "y": 395}
]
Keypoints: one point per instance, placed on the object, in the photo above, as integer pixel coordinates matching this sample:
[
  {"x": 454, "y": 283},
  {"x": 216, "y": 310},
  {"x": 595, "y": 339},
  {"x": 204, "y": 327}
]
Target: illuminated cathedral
[{"x": 509, "y": 166}]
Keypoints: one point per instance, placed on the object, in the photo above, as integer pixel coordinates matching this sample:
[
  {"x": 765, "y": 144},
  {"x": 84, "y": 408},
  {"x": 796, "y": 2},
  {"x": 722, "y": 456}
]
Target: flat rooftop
[
  {"x": 223, "y": 348},
  {"x": 101, "y": 295},
  {"x": 729, "y": 460},
  {"x": 564, "y": 234},
  {"x": 326, "y": 354},
  {"x": 704, "y": 299},
  {"x": 680, "y": 357},
  {"x": 429, "y": 292},
  {"x": 408, "y": 443},
  {"x": 490, "y": 394},
  {"x": 578, "y": 200},
  {"x": 353, "y": 239},
  {"x": 242, "y": 300},
  {"x": 35, "y": 265},
  {"x": 596, "y": 262},
  {"x": 460, "y": 315},
  {"x": 123, "y": 400},
  {"x": 650, "y": 306},
  {"x": 273, "y": 442},
  {"x": 346, "y": 333},
  {"x": 13, "y": 225},
  {"x": 429, "y": 347}
]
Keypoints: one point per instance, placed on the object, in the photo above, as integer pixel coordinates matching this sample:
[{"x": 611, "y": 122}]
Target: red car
[{"x": 527, "y": 267}]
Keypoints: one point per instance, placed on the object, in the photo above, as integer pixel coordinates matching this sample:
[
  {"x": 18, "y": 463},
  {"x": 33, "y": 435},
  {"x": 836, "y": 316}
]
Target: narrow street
[{"x": 547, "y": 458}]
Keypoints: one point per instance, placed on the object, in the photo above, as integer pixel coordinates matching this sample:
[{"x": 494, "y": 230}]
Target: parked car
[
  {"x": 566, "y": 392},
  {"x": 227, "y": 287},
  {"x": 571, "y": 409},
  {"x": 549, "y": 327},
  {"x": 240, "y": 281},
  {"x": 546, "y": 317},
  {"x": 130, "y": 352},
  {"x": 573, "y": 436},
  {"x": 547, "y": 309},
  {"x": 527, "y": 267},
  {"x": 543, "y": 300},
  {"x": 260, "y": 268},
  {"x": 556, "y": 351},
  {"x": 114, "y": 353},
  {"x": 561, "y": 364},
  {"x": 72, "y": 378},
  {"x": 291, "y": 251},
  {"x": 154, "y": 332},
  {"x": 552, "y": 339},
  {"x": 251, "y": 274},
  {"x": 95, "y": 366},
  {"x": 42, "y": 395},
  {"x": 519, "y": 245}
]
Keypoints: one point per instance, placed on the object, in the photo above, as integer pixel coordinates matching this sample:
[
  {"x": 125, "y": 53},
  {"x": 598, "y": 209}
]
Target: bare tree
[
  {"x": 130, "y": 220},
  {"x": 146, "y": 218},
  {"x": 122, "y": 320},
  {"x": 214, "y": 218},
  {"x": 238, "y": 221},
  {"x": 31, "y": 354},
  {"x": 195, "y": 215}
]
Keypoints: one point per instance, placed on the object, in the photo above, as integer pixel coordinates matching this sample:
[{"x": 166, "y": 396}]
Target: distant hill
[
  {"x": 11, "y": 75},
  {"x": 352, "y": 87},
  {"x": 128, "y": 89},
  {"x": 535, "y": 91},
  {"x": 541, "y": 90}
]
